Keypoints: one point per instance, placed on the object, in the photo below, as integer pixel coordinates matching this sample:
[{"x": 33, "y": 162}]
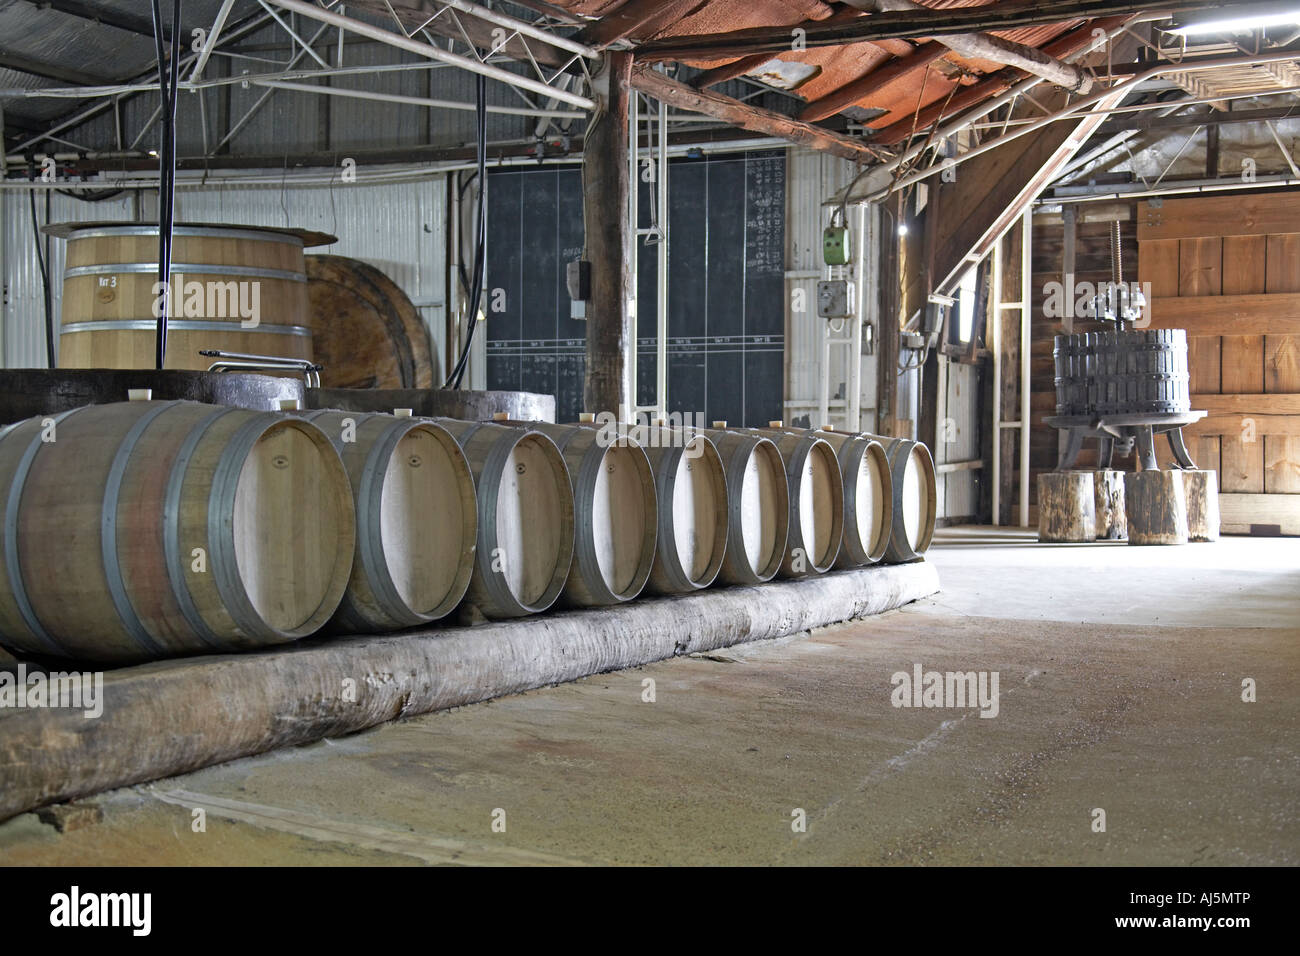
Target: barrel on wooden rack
[
  {"x": 141, "y": 530},
  {"x": 758, "y": 506},
  {"x": 691, "y": 488},
  {"x": 235, "y": 288},
  {"x": 816, "y": 492},
  {"x": 525, "y": 517},
  {"x": 416, "y": 519},
  {"x": 911, "y": 472},
  {"x": 615, "y": 513},
  {"x": 366, "y": 331},
  {"x": 868, "y": 497}
]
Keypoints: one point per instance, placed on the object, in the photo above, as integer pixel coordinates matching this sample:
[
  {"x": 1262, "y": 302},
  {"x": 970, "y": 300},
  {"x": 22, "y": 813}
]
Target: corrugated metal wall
[
  {"x": 400, "y": 228},
  {"x": 811, "y": 178}
]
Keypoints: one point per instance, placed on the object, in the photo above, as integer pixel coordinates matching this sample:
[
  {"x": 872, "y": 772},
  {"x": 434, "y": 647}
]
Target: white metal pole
[
  {"x": 661, "y": 278},
  {"x": 995, "y": 346},
  {"x": 1026, "y": 312}
]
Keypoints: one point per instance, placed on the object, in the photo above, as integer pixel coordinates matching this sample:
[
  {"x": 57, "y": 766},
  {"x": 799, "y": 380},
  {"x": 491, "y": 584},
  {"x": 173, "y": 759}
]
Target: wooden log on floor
[
  {"x": 1156, "y": 507},
  {"x": 1066, "y": 510},
  {"x": 1108, "y": 503},
  {"x": 222, "y": 707},
  {"x": 1201, "y": 491}
]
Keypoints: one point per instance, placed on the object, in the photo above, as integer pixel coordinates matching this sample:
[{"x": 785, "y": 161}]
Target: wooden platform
[{"x": 176, "y": 716}]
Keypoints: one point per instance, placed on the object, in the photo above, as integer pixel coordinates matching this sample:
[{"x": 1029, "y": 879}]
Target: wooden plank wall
[{"x": 1227, "y": 269}]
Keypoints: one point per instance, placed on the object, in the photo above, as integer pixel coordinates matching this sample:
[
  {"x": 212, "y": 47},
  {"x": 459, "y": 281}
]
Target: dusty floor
[{"x": 1120, "y": 678}]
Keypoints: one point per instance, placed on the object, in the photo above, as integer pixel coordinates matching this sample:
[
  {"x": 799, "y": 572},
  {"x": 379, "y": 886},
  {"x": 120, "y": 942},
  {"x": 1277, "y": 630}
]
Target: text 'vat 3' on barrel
[{"x": 147, "y": 529}]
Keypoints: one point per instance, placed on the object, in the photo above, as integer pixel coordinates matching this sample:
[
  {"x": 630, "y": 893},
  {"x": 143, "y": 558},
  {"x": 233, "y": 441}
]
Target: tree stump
[
  {"x": 1065, "y": 506},
  {"x": 1201, "y": 490},
  {"x": 1156, "y": 507},
  {"x": 1108, "y": 503}
]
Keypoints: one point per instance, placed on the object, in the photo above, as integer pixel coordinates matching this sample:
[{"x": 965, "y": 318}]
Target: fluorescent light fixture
[{"x": 1228, "y": 20}]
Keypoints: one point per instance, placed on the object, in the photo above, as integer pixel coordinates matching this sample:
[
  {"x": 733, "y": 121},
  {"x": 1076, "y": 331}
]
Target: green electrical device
[{"x": 835, "y": 246}]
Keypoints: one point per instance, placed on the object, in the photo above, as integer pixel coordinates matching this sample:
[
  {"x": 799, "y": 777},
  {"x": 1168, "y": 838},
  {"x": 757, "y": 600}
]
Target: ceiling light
[{"x": 1254, "y": 17}]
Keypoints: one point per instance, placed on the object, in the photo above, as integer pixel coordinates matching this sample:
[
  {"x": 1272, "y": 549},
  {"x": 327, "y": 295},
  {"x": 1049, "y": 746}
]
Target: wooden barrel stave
[
  {"x": 182, "y": 528},
  {"x": 417, "y": 519}
]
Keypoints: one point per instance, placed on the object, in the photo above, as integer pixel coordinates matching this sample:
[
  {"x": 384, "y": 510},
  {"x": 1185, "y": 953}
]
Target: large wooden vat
[
  {"x": 416, "y": 519},
  {"x": 691, "y": 486},
  {"x": 145, "y": 529},
  {"x": 1134, "y": 372},
  {"x": 911, "y": 472},
  {"x": 816, "y": 494},
  {"x": 365, "y": 330},
  {"x": 868, "y": 497},
  {"x": 758, "y": 506},
  {"x": 220, "y": 274},
  {"x": 615, "y": 513},
  {"x": 525, "y": 517}
]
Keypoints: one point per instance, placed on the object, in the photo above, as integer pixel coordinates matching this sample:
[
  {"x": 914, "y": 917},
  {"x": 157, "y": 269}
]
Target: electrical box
[
  {"x": 577, "y": 277},
  {"x": 834, "y": 298},
  {"x": 835, "y": 246}
]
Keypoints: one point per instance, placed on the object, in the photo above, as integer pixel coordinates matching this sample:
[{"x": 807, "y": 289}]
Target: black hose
[
  {"x": 480, "y": 243},
  {"x": 43, "y": 262},
  {"x": 168, "y": 80}
]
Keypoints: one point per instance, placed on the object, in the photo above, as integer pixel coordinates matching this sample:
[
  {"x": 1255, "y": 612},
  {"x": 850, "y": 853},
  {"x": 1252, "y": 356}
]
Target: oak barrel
[
  {"x": 816, "y": 492},
  {"x": 236, "y": 288},
  {"x": 366, "y": 331},
  {"x": 911, "y": 470},
  {"x": 758, "y": 506},
  {"x": 525, "y": 517},
  {"x": 142, "y": 530},
  {"x": 691, "y": 487},
  {"x": 868, "y": 497},
  {"x": 615, "y": 513},
  {"x": 417, "y": 519}
]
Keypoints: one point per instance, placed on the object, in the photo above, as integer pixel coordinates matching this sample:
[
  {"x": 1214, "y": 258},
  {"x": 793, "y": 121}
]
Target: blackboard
[{"x": 726, "y": 264}]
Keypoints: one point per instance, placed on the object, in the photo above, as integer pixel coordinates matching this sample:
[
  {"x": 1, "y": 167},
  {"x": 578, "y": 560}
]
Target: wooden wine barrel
[
  {"x": 417, "y": 519},
  {"x": 366, "y": 332},
  {"x": 219, "y": 274},
  {"x": 141, "y": 530},
  {"x": 615, "y": 513},
  {"x": 525, "y": 517},
  {"x": 691, "y": 487},
  {"x": 911, "y": 472},
  {"x": 868, "y": 497},
  {"x": 816, "y": 492},
  {"x": 758, "y": 506}
]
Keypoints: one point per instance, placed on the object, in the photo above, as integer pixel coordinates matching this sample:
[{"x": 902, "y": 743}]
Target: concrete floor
[{"x": 1120, "y": 673}]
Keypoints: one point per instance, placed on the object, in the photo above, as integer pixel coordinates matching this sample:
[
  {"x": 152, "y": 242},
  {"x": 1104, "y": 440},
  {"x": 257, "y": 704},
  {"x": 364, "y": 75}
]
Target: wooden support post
[
  {"x": 1066, "y": 507},
  {"x": 1156, "y": 507},
  {"x": 608, "y": 246},
  {"x": 1201, "y": 489},
  {"x": 1108, "y": 504}
]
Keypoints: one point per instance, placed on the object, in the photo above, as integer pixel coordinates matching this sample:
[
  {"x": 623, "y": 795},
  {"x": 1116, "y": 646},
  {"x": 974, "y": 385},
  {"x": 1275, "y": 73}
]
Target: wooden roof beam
[
  {"x": 754, "y": 118},
  {"x": 985, "y": 46},
  {"x": 632, "y": 17},
  {"x": 903, "y": 24}
]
